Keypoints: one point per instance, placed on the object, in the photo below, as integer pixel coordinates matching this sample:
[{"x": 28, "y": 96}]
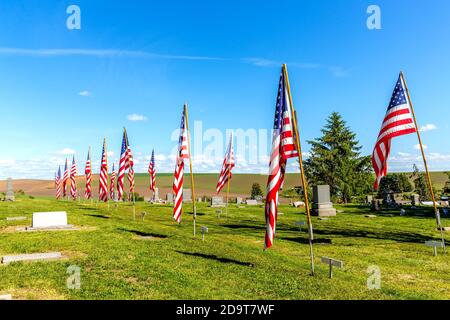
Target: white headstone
[
  {"x": 187, "y": 195},
  {"x": 49, "y": 219},
  {"x": 9, "y": 190},
  {"x": 217, "y": 202},
  {"x": 251, "y": 202}
]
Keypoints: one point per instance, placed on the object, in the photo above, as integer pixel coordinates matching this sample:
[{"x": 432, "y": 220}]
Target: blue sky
[{"x": 64, "y": 90}]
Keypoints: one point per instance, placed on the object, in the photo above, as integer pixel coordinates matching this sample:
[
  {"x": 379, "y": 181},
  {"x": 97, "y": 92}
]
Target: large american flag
[
  {"x": 283, "y": 147},
  {"x": 58, "y": 184},
  {"x": 398, "y": 121},
  {"x": 182, "y": 154},
  {"x": 88, "y": 174},
  {"x": 112, "y": 183},
  {"x": 123, "y": 165},
  {"x": 73, "y": 182},
  {"x": 65, "y": 179},
  {"x": 227, "y": 166},
  {"x": 152, "y": 172},
  {"x": 103, "y": 184}
]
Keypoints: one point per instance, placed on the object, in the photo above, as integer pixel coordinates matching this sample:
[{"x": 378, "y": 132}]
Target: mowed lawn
[{"x": 116, "y": 262}]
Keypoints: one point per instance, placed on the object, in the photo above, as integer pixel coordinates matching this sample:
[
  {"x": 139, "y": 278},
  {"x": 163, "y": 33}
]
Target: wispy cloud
[
  {"x": 85, "y": 93},
  {"x": 98, "y": 53},
  {"x": 428, "y": 127},
  {"x": 262, "y": 62},
  {"x": 136, "y": 117}
]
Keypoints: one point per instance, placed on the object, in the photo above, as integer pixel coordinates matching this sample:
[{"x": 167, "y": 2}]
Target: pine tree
[
  {"x": 420, "y": 184},
  {"x": 336, "y": 160}
]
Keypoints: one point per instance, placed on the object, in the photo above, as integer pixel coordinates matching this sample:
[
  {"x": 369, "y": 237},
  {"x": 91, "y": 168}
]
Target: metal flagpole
[
  {"x": 302, "y": 172},
  {"x": 190, "y": 166},
  {"x": 430, "y": 185}
]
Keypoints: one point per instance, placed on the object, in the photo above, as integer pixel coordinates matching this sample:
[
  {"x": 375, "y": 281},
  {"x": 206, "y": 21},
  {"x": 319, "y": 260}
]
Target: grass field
[{"x": 117, "y": 263}]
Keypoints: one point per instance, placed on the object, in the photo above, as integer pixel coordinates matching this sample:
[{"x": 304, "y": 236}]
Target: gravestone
[
  {"x": 369, "y": 199},
  {"x": 322, "y": 206},
  {"x": 169, "y": 198},
  {"x": 258, "y": 198},
  {"x": 374, "y": 206},
  {"x": 251, "y": 202},
  {"x": 48, "y": 220},
  {"x": 415, "y": 199},
  {"x": 298, "y": 204},
  {"x": 156, "y": 195},
  {"x": 31, "y": 257},
  {"x": 199, "y": 199},
  {"x": 238, "y": 200},
  {"x": 6, "y": 297},
  {"x": 9, "y": 190},
  {"x": 187, "y": 195},
  {"x": 217, "y": 202}
]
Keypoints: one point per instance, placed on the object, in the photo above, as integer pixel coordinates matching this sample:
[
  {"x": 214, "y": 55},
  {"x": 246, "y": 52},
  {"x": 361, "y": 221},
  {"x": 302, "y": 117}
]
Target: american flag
[
  {"x": 152, "y": 172},
  {"x": 65, "y": 179},
  {"x": 182, "y": 154},
  {"x": 122, "y": 166},
  {"x": 88, "y": 173},
  {"x": 58, "y": 184},
  {"x": 398, "y": 121},
  {"x": 129, "y": 165},
  {"x": 283, "y": 147},
  {"x": 73, "y": 182},
  {"x": 228, "y": 164},
  {"x": 103, "y": 185},
  {"x": 111, "y": 185}
]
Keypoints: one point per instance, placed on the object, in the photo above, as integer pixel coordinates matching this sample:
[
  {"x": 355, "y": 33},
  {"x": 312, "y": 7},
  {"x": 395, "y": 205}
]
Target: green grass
[{"x": 116, "y": 264}]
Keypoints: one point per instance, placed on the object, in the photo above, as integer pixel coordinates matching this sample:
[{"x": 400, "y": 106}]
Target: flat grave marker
[
  {"x": 49, "y": 219},
  {"x": 434, "y": 244},
  {"x": 251, "y": 202},
  {"x": 204, "y": 230},
  {"x": 332, "y": 263},
  {"x": 31, "y": 257},
  {"x": 370, "y": 216},
  {"x": 16, "y": 218}
]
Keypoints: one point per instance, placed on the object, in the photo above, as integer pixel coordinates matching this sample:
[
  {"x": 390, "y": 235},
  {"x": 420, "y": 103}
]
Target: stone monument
[
  {"x": 156, "y": 195},
  {"x": 169, "y": 198},
  {"x": 415, "y": 200},
  {"x": 9, "y": 190},
  {"x": 187, "y": 195},
  {"x": 322, "y": 205},
  {"x": 217, "y": 202}
]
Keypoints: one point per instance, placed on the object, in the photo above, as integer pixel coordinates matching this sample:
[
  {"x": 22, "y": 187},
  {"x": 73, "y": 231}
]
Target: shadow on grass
[
  {"x": 98, "y": 216},
  {"x": 410, "y": 237},
  {"x": 306, "y": 241},
  {"x": 216, "y": 258},
  {"x": 198, "y": 213},
  {"x": 143, "y": 234}
]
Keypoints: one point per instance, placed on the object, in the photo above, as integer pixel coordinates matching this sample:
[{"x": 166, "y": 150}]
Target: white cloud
[
  {"x": 136, "y": 117},
  {"x": 110, "y": 153},
  {"x": 428, "y": 127},
  {"x": 67, "y": 151},
  {"x": 417, "y": 146},
  {"x": 85, "y": 93}
]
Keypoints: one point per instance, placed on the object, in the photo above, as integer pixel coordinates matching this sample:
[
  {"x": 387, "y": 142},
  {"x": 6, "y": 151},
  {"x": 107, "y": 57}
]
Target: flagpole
[
  {"x": 302, "y": 172},
  {"x": 430, "y": 185},
  {"x": 228, "y": 191},
  {"x": 190, "y": 166}
]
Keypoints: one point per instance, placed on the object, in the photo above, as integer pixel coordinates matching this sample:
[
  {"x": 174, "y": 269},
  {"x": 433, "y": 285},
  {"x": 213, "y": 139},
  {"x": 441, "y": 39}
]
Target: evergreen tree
[
  {"x": 395, "y": 182},
  {"x": 336, "y": 160},
  {"x": 256, "y": 190},
  {"x": 420, "y": 184}
]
